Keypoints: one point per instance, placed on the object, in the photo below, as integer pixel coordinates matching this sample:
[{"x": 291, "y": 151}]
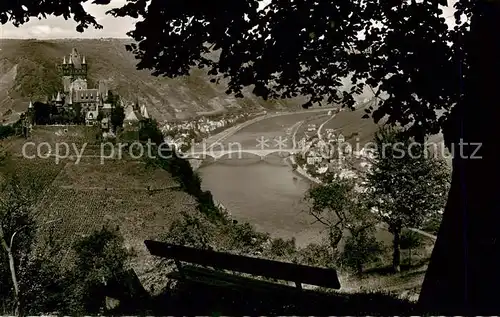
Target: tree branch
[
  {"x": 26, "y": 226},
  {"x": 318, "y": 219}
]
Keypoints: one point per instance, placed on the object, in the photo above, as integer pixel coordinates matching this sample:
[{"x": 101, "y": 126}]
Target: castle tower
[
  {"x": 72, "y": 69},
  {"x": 136, "y": 105},
  {"x": 103, "y": 89},
  {"x": 28, "y": 118}
]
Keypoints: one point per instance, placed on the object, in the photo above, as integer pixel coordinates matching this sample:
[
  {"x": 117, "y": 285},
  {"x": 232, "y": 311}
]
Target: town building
[
  {"x": 134, "y": 115},
  {"x": 314, "y": 157}
]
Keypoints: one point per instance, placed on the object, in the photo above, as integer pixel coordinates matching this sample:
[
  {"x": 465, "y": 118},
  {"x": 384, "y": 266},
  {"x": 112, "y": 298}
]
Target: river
[{"x": 266, "y": 193}]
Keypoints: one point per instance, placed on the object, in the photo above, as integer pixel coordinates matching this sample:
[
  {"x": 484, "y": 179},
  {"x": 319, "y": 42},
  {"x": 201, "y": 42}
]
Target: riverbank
[
  {"x": 195, "y": 164},
  {"x": 223, "y": 135},
  {"x": 300, "y": 171}
]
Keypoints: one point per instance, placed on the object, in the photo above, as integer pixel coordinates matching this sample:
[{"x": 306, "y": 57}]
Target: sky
[{"x": 57, "y": 27}]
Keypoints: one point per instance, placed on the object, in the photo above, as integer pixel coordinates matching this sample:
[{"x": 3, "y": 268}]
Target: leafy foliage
[
  {"x": 410, "y": 240},
  {"x": 117, "y": 116},
  {"x": 359, "y": 250},
  {"x": 339, "y": 207},
  {"x": 99, "y": 258},
  {"x": 46, "y": 114},
  {"x": 316, "y": 255},
  {"x": 282, "y": 248},
  {"x": 307, "y": 48},
  {"x": 406, "y": 184},
  {"x": 6, "y": 131},
  {"x": 149, "y": 131},
  {"x": 191, "y": 230},
  {"x": 20, "y": 12},
  {"x": 17, "y": 231},
  {"x": 117, "y": 111}
]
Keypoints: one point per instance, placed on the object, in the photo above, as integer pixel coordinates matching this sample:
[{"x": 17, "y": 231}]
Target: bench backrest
[{"x": 244, "y": 264}]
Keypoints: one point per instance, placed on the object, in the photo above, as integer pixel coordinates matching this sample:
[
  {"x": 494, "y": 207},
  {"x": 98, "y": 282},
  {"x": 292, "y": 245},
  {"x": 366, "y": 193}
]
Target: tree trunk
[
  {"x": 13, "y": 275},
  {"x": 12, "y": 268},
  {"x": 335, "y": 237},
  {"x": 463, "y": 276},
  {"x": 396, "y": 255}
]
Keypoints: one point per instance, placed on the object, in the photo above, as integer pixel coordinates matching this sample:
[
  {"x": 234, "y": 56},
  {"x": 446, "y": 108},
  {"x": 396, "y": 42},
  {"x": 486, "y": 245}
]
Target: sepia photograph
[{"x": 249, "y": 158}]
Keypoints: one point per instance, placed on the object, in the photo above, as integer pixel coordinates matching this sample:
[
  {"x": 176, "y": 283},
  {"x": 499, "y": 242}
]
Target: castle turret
[
  {"x": 70, "y": 60},
  {"x": 30, "y": 105},
  {"x": 64, "y": 60},
  {"x": 83, "y": 61},
  {"x": 58, "y": 98},
  {"x": 144, "y": 112}
]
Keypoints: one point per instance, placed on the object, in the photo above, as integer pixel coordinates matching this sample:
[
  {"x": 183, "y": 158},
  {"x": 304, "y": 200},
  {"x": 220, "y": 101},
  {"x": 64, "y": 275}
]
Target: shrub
[
  {"x": 6, "y": 131},
  {"x": 316, "y": 255},
  {"x": 359, "y": 250},
  {"x": 192, "y": 230},
  {"x": 410, "y": 240}
]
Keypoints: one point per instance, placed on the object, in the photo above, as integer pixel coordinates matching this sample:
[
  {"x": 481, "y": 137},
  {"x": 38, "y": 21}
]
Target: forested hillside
[{"x": 28, "y": 70}]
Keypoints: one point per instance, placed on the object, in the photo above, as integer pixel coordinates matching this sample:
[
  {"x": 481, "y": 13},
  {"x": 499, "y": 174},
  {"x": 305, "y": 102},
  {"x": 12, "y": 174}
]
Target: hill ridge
[{"x": 36, "y": 77}]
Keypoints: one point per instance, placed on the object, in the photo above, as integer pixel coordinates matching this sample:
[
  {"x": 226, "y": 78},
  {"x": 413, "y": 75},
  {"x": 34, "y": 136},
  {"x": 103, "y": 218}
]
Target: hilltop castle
[
  {"x": 90, "y": 105},
  {"x": 76, "y": 95},
  {"x": 91, "y": 101}
]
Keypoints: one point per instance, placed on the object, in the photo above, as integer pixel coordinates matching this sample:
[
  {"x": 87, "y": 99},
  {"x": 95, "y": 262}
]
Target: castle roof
[
  {"x": 144, "y": 112},
  {"x": 131, "y": 117},
  {"x": 75, "y": 58},
  {"x": 103, "y": 89}
]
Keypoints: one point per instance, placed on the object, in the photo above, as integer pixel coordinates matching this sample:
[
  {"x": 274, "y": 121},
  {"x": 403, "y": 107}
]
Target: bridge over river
[{"x": 237, "y": 153}]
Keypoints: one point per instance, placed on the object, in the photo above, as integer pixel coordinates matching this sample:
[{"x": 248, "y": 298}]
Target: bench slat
[
  {"x": 261, "y": 267},
  {"x": 221, "y": 279}
]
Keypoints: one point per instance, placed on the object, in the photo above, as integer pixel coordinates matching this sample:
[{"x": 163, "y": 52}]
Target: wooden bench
[{"x": 213, "y": 263}]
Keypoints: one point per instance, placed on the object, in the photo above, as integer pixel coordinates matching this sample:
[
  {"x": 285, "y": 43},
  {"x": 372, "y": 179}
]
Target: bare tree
[
  {"x": 17, "y": 226},
  {"x": 19, "y": 221}
]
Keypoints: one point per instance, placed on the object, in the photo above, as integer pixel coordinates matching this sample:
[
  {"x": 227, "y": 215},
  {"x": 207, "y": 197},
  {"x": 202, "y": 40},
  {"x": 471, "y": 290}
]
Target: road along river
[{"x": 264, "y": 192}]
